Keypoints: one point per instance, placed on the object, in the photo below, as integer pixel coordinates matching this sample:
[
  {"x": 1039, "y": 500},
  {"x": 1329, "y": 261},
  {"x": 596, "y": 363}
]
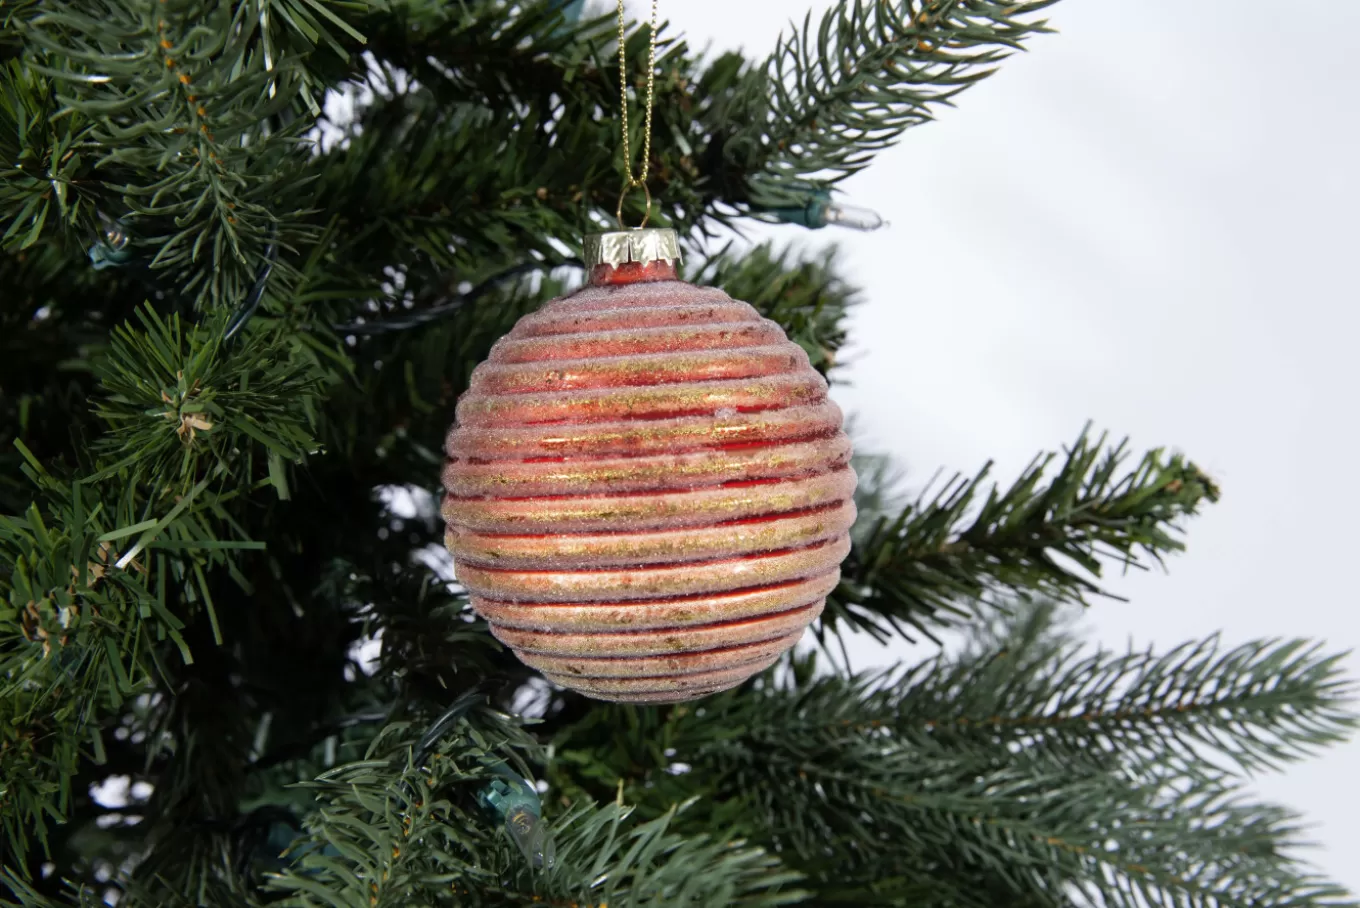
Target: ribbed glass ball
[{"x": 649, "y": 494}]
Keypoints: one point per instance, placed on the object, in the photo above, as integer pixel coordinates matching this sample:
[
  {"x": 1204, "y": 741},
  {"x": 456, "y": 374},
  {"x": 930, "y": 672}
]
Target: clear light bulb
[
  {"x": 112, "y": 247},
  {"x": 521, "y": 813},
  {"x": 531, "y": 835},
  {"x": 852, "y": 216}
]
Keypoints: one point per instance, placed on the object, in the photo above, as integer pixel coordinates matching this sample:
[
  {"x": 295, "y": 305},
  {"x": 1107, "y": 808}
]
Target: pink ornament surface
[{"x": 649, "y": 494}]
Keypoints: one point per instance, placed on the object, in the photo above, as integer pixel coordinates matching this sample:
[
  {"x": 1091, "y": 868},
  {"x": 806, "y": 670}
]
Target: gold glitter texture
[
  {"x": 652, "y": 436},
  {"x": 629, "y": 547},
  {"x": 650, "y": 509},
  {"x": 675, "y": 613}
]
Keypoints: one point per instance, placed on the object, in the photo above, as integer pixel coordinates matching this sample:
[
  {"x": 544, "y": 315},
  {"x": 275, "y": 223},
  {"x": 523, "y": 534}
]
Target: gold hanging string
[{"x": 640, "y": 181}]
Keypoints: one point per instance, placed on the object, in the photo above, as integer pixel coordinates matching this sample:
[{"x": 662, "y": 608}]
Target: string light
[
  {"x": 823, "y": 211},
  {"x": 112, "y": 248}
]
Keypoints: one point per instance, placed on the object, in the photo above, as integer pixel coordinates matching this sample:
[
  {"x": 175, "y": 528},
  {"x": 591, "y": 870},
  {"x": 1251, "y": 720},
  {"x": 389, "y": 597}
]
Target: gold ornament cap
[{"x": 640, "y": 245}]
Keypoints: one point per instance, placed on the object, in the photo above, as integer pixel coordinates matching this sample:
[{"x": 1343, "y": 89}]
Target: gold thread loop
[
  {"x": 646, "y": 215},
  {"x": 631, "y": 181}
]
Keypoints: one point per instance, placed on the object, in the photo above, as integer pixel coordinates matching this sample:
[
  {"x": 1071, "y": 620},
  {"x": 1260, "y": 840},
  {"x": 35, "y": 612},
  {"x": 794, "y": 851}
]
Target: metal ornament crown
[{"x": 642, "y": 245}]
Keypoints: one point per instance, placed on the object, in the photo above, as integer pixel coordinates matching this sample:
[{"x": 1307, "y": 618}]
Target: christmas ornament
[{"x": 649, "y": 492}]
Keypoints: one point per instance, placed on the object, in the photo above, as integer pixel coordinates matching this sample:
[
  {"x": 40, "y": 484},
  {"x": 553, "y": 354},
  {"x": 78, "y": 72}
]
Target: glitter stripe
[
  {"x": 654, "y": 582},
  {"x": 634, "y": 341},
  {"x": 552, "y": 322},
  {"x": 647, "y": 509},
  {"x": 627, "y": 547},
  {"x": 657, "y": 614},
  {"x": 645, "y": 370},
  {"x": 656, "y": 402},
  {"x": 629, "y": 298},
  {"x": 669, "y": 665},
  {"x": 662, "y": 641},
  {"x": 671, "y": 436},
  {"x": 717, "y": 679},
  {"x": 659, "y": 471},
  {"x": 665, "y": 695}
]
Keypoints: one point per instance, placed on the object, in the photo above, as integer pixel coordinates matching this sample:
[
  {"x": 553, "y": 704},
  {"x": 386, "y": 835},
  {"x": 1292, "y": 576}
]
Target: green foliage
[
  {"x": 1258, "y": 705},
  {"x": 396, "y": 830},
  {"x": 1003, "y": 775},
  {"x": 834, "y": 95},
  {"x": 46, "y": 318},
  {"x": 176, "y": 400},
  {"x": 42, "y": 170},
  {"x": 215, "y": 170},
  {"x": 457, "y": 79},
  {"x": 103, "y": 574},
  {"x": 219, "y": 525},
  {"x": 78, "y": 625},
  {"x": 943, "y": 556},
  {"x": 172, "y": 107}
]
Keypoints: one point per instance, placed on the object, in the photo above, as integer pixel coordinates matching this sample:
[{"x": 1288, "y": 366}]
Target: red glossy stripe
[
  {"x": 734, "y": 446},
  {"x": 604, "y": 275}
]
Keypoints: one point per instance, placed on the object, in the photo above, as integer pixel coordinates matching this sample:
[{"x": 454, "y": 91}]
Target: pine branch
[
  {"x": 208, "y": 204},
  {"x": 72, "y": 647},
  {"x": 412, "y": 837},
  {"x": 43, "y": 174},
  {"x": 410, "y": 192},
  {"x": 943, "y": 558},
  {"x": 884, "y": 785},
  {"x": 172, "y": 110},
  {"x": 1257, "y": 706},
  {"x": 829, "y": 98},
  {"x": 175, "y": 400},
  {"x": 48, "y": 327},
  {"x": 102, "y": 572},
  {"x": 494, "y": 53},
  {"x": 191, "y": 843},
  {"x": 24, "y": 895}
]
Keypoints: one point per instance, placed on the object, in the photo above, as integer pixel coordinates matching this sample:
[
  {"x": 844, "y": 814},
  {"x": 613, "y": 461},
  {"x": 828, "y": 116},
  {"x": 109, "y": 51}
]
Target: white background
[{"x": 1149, "y": 221}]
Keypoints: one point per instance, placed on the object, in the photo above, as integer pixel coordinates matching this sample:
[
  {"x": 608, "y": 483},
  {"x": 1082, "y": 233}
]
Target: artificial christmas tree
[{"x": 234, "y": 324}]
